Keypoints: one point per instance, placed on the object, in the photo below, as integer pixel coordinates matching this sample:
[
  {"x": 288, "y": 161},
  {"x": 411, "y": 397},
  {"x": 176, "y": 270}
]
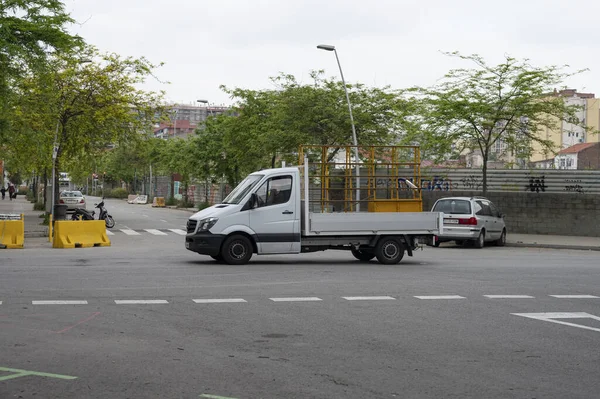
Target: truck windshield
[{"x": 242, "y": 189}]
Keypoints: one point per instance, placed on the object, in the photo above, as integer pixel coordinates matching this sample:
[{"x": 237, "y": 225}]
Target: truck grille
[{"x": 191, "y": 225}]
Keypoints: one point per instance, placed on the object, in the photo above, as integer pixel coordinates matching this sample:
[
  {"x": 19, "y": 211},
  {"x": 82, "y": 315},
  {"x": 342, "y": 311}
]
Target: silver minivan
[{"x": 470, "y": 219}]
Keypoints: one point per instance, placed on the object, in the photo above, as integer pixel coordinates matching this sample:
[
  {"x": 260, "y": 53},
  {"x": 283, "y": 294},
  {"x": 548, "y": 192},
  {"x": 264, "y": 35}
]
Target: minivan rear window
[{"x": 453, "y": 206}]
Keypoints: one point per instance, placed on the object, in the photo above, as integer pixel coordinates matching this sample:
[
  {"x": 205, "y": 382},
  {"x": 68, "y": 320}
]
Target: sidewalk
[
  {"x": 33, "y": 226},
  {"x": 549, "y": 241}
]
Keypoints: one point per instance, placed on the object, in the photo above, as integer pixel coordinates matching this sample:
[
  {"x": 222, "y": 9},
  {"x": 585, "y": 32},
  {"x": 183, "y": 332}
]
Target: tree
[
  {"x": 476, "y": 108},
  {"x": 87, "y": 103},
  {"x": 31, "y": 30},
  {"x": 269, "y": 125}
]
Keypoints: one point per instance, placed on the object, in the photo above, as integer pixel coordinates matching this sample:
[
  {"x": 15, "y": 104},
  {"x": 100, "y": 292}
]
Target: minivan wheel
[
  {"x": 480, "y": 242},
  {"x": 502, "y": 240},
  {"x": 236, "y": 250},
  {"x": 389, "y": 251}
]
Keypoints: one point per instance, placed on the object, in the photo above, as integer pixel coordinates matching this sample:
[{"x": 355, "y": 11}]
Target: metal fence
[{"x": 550, "y": 181}]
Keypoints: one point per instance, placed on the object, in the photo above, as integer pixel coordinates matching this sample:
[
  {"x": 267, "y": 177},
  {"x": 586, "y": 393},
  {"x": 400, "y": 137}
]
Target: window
[
  {"x": 494, "y": 210},
  {"x": 460, "y": 207},
  {"x": 276, "y": 190},
  {"x": 485, "y": 208}
]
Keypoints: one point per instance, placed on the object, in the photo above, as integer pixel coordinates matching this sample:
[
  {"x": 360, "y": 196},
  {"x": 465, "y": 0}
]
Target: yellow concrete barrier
[
  {"x": 158, "y": 202},
  {"x": 12, "y": 231},
  {"x": 80, "y": 234}
]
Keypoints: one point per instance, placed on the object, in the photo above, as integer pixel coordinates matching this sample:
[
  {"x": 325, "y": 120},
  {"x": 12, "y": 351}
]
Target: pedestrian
[
  {"x": 11, "y": 191},
  {"x": 3, "y": 190}
]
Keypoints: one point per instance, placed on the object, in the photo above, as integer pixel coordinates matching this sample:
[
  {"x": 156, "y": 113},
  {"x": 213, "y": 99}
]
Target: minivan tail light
[
  {"x": 82, "y": 201},
  {"x": 61, "y": 201},
  {"x": 472, "y": 221}
]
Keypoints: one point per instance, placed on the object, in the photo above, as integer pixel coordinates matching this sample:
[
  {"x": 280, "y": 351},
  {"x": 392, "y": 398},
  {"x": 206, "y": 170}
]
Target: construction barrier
[
  {"x": 158, "y": 202},
  {"x": 12, "y": 230},
  {"x": 80, "y": 234},
  {"x": 131, "y": 198},
  {"x": 138, "y": 199}
]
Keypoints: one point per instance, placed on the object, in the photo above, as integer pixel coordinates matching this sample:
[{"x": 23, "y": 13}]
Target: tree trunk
[
  {"x": 484, "y": 171},
  {"x": 172, "y": 193},
  {"x": 45, "y": 186}
]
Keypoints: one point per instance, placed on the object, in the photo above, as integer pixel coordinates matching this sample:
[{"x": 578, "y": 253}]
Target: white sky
[{"x": 240, "y": 43}]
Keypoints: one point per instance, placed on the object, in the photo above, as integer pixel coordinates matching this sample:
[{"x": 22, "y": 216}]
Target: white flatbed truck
[{"x": 266, "y": 214}]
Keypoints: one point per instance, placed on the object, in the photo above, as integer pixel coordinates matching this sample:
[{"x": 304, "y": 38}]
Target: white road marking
[
  {"x": 440, "y": 297},
  {"x": 156, "y": 232},
  {"x": 163, "y": 220},
  {"x": 368, "y": 298},
  {"x": 509, "y": 296},
  {"x": 0, "y": 302},
  {"x": 223, "y": 300},
  {"x": 301, "y": 299},
  {"x": 109, "y": 233},
  {"x": 59, "y": 302},
  {"x": 140, "y": 301},
  {"x": 130, "y": 232},
  {"x": 146, "y": 216},
  {"x": 575, "y": 296},
  {"x": 178, "y": 231},
  {"x": 560, "y": 315}
]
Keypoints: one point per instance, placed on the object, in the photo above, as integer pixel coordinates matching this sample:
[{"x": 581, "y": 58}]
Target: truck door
[{"x": 273, "y": 219}]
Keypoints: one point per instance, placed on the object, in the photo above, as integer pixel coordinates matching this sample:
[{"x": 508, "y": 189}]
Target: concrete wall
[{"x": 539, "y": 213}]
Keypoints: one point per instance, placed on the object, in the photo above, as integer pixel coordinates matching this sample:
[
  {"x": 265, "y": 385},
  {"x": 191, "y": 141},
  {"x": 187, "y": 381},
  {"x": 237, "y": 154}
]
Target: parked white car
[{"x": 470, "y": 219}]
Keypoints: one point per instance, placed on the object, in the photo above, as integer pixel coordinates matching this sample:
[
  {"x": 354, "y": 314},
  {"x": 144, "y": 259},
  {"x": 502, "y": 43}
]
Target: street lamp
[{"x": 328, "y": 47}]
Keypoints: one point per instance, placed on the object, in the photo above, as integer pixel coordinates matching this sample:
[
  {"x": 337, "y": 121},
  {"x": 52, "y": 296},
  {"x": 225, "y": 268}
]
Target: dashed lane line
[
  {"x": 59, "y": 302},
  {"x": 140, "y": 301},
  {"x": 509, "y": 296},
  {"x": 155, "y": 232},
  {"x": 575, "y": 296},
  {"x": 369, "y": 298},
  {"x": 440, "y": 297},
  {"x": 299, "y": 299},
  {"x": 220, "y": 300}
]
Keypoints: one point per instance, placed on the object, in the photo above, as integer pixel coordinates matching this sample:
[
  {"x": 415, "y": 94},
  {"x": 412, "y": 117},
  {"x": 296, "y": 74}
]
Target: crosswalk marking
[
  {"x": 508, "y": 296},
  {"x": 130, "y": 232},
  {"x": 109, "y": 233},
  {"x": 300, "y": 299},
  {"x": 178, "y": 231},
  {"x": 155, "y": 232},
  {"x": 440, "y": 297},
  {"x": 222, "y": 300},
  {"x": 575, "y": 296},
  {"x": 368, "y": 298}
]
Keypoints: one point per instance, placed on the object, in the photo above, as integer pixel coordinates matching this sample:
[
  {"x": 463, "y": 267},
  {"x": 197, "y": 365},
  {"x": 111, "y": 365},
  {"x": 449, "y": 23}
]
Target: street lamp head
[
  {"x": 326, "y": 47},
  {"x": 202, "y": 101}
]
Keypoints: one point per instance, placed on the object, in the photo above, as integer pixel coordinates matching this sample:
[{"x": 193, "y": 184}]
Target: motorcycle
[{"x": 83, "y": 214}]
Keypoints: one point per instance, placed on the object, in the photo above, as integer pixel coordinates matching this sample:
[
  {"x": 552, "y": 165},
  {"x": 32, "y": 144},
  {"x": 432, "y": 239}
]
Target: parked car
[
  {"x": 72, "y": 199},
  {"x": 470, "y": 219}
]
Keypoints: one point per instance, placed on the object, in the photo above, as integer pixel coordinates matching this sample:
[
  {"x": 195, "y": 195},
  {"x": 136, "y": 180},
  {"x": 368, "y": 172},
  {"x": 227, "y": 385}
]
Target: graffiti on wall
[
  {"x": 536, "y": 184},
  {"x": 574, "y": 186},
  {"x": 472, "y": 182}
]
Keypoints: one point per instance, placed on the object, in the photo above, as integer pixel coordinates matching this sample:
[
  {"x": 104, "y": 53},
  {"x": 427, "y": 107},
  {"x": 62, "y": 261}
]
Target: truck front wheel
[
  {"x": 389, "y": 251},
  {"x": 362, "y": 255},
  {"x": 236, "y": 250}
]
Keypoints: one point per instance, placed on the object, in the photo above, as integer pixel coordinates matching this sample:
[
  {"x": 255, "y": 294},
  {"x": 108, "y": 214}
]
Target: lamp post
[
  {"x": 55, "y": 149},
  {"x": 328, "y": 47},
  {"x": 222, "y": 184}
]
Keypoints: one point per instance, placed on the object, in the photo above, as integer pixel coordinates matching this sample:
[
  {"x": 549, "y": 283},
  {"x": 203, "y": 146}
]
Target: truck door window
[{"x": 276, "y": 190}]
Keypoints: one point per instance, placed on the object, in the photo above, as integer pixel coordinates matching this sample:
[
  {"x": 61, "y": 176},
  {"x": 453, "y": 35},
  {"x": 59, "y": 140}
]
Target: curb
[{"x": 552, "y": 246}]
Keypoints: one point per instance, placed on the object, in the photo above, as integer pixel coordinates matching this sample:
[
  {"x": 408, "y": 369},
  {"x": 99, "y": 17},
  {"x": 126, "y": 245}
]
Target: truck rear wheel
[
  {"x": 362, "y": 255},
  {"x": 236, "y": 250},
  {"x": 389, "y": 251}
]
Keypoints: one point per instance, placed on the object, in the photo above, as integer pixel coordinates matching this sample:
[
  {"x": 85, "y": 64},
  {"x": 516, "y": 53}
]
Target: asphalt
[{"x": 35, "y": 228}]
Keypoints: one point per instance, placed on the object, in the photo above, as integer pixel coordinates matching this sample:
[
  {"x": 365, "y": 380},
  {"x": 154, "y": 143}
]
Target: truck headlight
[{"x": 206, "y": 224}]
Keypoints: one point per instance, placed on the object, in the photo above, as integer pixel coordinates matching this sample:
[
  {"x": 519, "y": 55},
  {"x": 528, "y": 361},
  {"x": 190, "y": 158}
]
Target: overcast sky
[{"x": 240, "y": 43}]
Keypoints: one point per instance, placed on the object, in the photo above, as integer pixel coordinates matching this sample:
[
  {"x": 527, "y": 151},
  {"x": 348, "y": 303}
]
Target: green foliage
[
  {"x": 185, "y": 204},
  {"x": 475, "y": 108},
  {"x": 23, "y": 191},
  {"x": 171, "y": 202},
  {"x": 120, "y": 193},
  {"x": 203, "y": 205},
  {"x": 39, "y": 206}
]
